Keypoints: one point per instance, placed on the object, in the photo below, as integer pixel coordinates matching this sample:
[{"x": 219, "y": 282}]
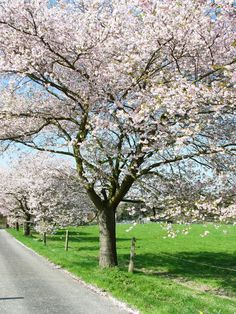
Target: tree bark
[
  {"x": 17, "y": 226},
  {"x": 26, "y": 228},
  {"x": 107, "y": 232},
  {"x": 44, "y": 238},
  {"x": 27, "y": 225}
]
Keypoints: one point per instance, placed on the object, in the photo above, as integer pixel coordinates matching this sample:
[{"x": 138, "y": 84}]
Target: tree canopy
[{"x": 124, "y": 87}]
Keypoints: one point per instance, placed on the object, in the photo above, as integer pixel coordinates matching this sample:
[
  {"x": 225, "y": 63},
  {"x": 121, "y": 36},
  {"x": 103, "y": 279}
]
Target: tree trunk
[
  {"x": 45, "y": 238},
  {"x": 17, "y": 226},
  {"x": 27, "y": 226},
  {"x": 107, "y": 232}
]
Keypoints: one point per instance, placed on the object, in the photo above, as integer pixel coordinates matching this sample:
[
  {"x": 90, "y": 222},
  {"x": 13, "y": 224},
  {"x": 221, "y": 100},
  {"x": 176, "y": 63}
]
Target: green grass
[{"x": 186, "y": 275}]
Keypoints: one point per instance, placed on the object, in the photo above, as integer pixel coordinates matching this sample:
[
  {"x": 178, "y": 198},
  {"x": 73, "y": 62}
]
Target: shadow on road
[{"x": 11, "y": 298}]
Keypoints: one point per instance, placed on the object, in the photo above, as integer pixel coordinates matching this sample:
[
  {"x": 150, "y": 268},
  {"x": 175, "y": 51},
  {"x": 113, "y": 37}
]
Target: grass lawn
[{"x": 186, "y": 275}]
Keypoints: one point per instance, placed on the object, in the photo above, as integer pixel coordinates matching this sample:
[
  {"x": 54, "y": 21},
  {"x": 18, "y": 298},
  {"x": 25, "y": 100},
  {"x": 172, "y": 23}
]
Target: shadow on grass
[
  {"x": 77, "y": 238},
  {"x": 212, "y": 266},
  {"x": 80, "y": 238},
  {"x": 73, "y": 233},
  {"x": 88, "y": 248},
  {"x": 220, "y": 267}
]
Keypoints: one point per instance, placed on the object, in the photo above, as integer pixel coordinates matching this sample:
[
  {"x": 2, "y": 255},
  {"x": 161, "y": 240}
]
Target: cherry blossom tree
[
  {"x": 43, "y": 191},
  {"x": 183, "y": 199},
  {"x": 4, "y": 211},
  {"x": 13, "y": 200},
  {"x": 125, "y": 87}
]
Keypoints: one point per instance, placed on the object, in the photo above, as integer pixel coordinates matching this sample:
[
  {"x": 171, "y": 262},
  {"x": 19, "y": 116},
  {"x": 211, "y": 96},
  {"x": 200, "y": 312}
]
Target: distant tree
[
  {"x": 180, "y": 198},
  {"x": 43, "y": 191}
]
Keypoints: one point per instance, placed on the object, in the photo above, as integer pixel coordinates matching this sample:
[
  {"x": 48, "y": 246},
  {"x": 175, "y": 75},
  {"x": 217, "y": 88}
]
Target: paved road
[{"x": 31, "y": 285}]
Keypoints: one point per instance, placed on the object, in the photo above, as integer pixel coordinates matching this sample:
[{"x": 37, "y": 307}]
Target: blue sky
[{"x": 6, "y": 158}]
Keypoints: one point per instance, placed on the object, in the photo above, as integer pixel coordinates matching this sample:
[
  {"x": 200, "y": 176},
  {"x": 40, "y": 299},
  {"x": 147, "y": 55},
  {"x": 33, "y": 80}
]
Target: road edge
[{"x": 95, "y": 289}]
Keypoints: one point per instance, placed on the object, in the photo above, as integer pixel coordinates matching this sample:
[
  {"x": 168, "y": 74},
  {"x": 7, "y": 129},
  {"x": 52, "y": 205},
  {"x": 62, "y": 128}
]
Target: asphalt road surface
[{"x": 31, "y": 285}]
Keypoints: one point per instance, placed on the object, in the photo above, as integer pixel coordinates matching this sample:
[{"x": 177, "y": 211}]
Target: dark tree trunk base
[
  {"x": 27, "y": 224},
  {"x": 26, "y": 229},
  {"x": 107, "y": 231},
  {"x": 44, "y": 238}
]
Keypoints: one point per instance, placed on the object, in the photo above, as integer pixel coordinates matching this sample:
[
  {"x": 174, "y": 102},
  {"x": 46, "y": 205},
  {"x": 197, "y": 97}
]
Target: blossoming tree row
[{"x": 124, "y": 87}]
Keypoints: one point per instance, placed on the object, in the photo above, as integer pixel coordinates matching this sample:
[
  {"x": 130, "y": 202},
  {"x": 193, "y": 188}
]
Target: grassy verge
[{"x": 185, "y": 275}]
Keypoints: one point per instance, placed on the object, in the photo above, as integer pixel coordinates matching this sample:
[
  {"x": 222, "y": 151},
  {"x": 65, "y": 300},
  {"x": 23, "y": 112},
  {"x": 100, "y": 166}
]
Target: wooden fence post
[
  {"x": 67, "y": 240},
  {"x": 132, "y": 255}
]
